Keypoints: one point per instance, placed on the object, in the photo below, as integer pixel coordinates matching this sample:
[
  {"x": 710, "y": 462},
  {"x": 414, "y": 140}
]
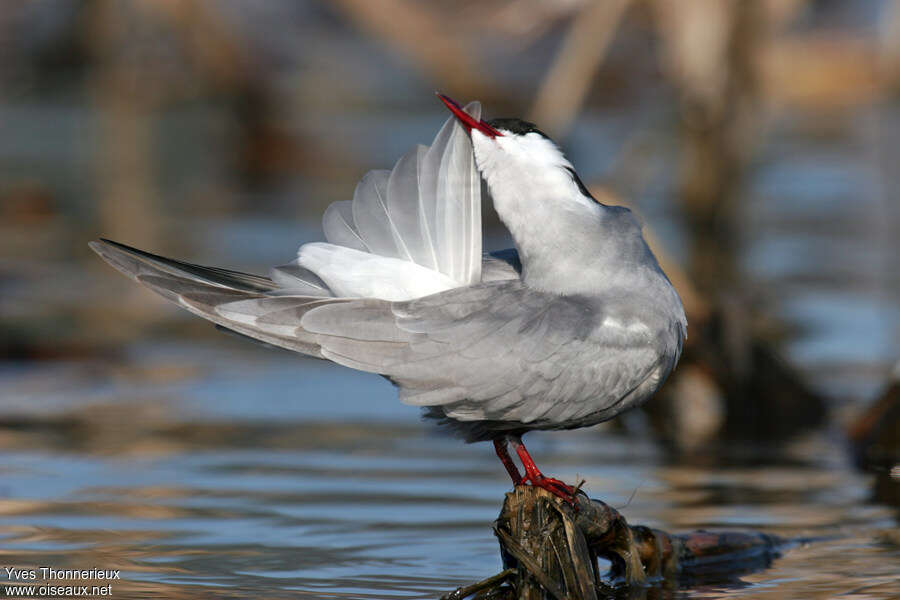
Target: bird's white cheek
[
  {"x": 485, "y": 152},
  {"x": 495, "y": 164}
]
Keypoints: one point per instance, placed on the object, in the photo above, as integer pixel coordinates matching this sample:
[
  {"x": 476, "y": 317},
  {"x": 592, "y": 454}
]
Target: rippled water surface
[{"x": 229, "y": 470}]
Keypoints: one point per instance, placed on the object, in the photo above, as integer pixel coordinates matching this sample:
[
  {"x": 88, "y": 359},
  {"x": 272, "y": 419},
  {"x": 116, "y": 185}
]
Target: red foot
[
  {"x": 503, "y": 453},
  {"x": 555, "y": 487},
  {"x": 532, "y": 473}
]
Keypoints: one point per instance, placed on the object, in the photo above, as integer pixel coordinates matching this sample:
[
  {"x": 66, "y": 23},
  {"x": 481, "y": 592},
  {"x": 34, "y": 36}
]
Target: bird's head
[
  {"x": 512, "y": 153},
  {"x": 568, "y": 242}
]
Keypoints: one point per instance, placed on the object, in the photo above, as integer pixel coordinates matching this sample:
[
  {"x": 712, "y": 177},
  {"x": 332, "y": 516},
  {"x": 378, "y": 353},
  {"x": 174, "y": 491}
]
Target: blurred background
[{"x": 758, "y": 140}]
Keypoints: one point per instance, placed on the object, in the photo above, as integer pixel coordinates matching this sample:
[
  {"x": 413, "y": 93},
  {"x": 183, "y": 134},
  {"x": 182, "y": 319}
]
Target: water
[{"x": 217, "y": 468}]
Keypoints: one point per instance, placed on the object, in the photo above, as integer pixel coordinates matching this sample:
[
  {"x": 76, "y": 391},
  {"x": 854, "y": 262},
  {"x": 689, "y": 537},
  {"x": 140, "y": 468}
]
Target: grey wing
[
  {"x": 495, "y": 351},
  {"x": 247, "y": 304},
  {"x": 262, "y": 308}
]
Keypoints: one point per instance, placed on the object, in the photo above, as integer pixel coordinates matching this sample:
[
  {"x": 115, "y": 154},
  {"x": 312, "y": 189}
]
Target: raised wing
[{"x": 425, "y": 212}]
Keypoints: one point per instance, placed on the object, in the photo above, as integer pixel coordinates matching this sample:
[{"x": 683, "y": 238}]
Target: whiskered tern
[{"x": 573, "y": 326}]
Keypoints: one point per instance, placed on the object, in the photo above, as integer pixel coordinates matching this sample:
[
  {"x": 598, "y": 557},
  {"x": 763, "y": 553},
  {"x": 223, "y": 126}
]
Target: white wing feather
[
  {"x": 350, "y": 273},
  {"x": 455, "y": 192},
  {"x": 373, "y": 220},
  {"x": 426, "y": 213},
  {"x": 339, "y": 227},
  {"x": 450, "y": 196},
  {"x": 404, "y": 203}
]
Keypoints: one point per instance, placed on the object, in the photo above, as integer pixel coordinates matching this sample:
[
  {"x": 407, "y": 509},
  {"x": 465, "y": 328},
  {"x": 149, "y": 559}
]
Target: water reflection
[{"x": 190, "y": 496}]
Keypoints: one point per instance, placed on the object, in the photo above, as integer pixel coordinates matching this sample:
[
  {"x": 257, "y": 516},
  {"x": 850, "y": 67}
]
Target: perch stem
[
  {"x": 485, "y": 584},
  {"x": 530, "y": 564}
]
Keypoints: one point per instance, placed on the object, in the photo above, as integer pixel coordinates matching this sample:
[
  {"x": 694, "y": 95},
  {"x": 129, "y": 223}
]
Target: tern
[{"x": 573, "y": 326}]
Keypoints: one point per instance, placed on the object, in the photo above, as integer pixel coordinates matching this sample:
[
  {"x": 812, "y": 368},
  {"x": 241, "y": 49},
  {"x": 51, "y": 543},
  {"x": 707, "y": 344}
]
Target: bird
[{"x": 574, "y": 325}]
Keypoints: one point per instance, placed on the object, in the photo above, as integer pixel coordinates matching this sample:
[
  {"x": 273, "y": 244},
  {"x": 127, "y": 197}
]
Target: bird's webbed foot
[
  {"x": 554, "y": 486},
  {"x": 532, "y": 475}
]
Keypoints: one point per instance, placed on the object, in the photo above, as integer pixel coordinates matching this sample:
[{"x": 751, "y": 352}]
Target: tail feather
[
  {"x": 132, "y": 262},
  {"x": 243, "y": 303},
  {"x": 294, "y": 280}
]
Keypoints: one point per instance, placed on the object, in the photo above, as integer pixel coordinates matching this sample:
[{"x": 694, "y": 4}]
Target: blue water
[{"x": 247, "y": 471}]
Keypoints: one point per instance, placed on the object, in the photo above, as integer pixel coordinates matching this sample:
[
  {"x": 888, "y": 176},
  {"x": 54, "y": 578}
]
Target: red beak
[{"x": 467, "y": 121}]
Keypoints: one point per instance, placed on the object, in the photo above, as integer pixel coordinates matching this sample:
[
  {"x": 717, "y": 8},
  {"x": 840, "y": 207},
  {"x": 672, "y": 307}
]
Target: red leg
[
  {"x": 506, "y": 459},
  {"x": 534, "y": 475}
]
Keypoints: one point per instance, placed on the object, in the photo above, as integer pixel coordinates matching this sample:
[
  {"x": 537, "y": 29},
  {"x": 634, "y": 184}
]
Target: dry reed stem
[{"x": 550, "y": 550}]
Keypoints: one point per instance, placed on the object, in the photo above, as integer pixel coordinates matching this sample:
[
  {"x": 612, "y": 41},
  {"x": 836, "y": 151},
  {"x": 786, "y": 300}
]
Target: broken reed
[{"x": 551, "y": 550}]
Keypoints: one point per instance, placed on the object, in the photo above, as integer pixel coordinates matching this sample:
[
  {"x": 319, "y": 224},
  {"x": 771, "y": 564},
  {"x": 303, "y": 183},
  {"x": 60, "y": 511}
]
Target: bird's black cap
[
  {"x": 521, "y": 127},
  {"x": 517, "y": 126}
]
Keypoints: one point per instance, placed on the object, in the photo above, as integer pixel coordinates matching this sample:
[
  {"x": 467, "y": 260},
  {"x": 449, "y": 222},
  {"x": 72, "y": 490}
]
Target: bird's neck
[
  {"x": 570, "y": 244},
  {"x": 557, "y": 249},
  {"x": 556, "y": 229}
]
